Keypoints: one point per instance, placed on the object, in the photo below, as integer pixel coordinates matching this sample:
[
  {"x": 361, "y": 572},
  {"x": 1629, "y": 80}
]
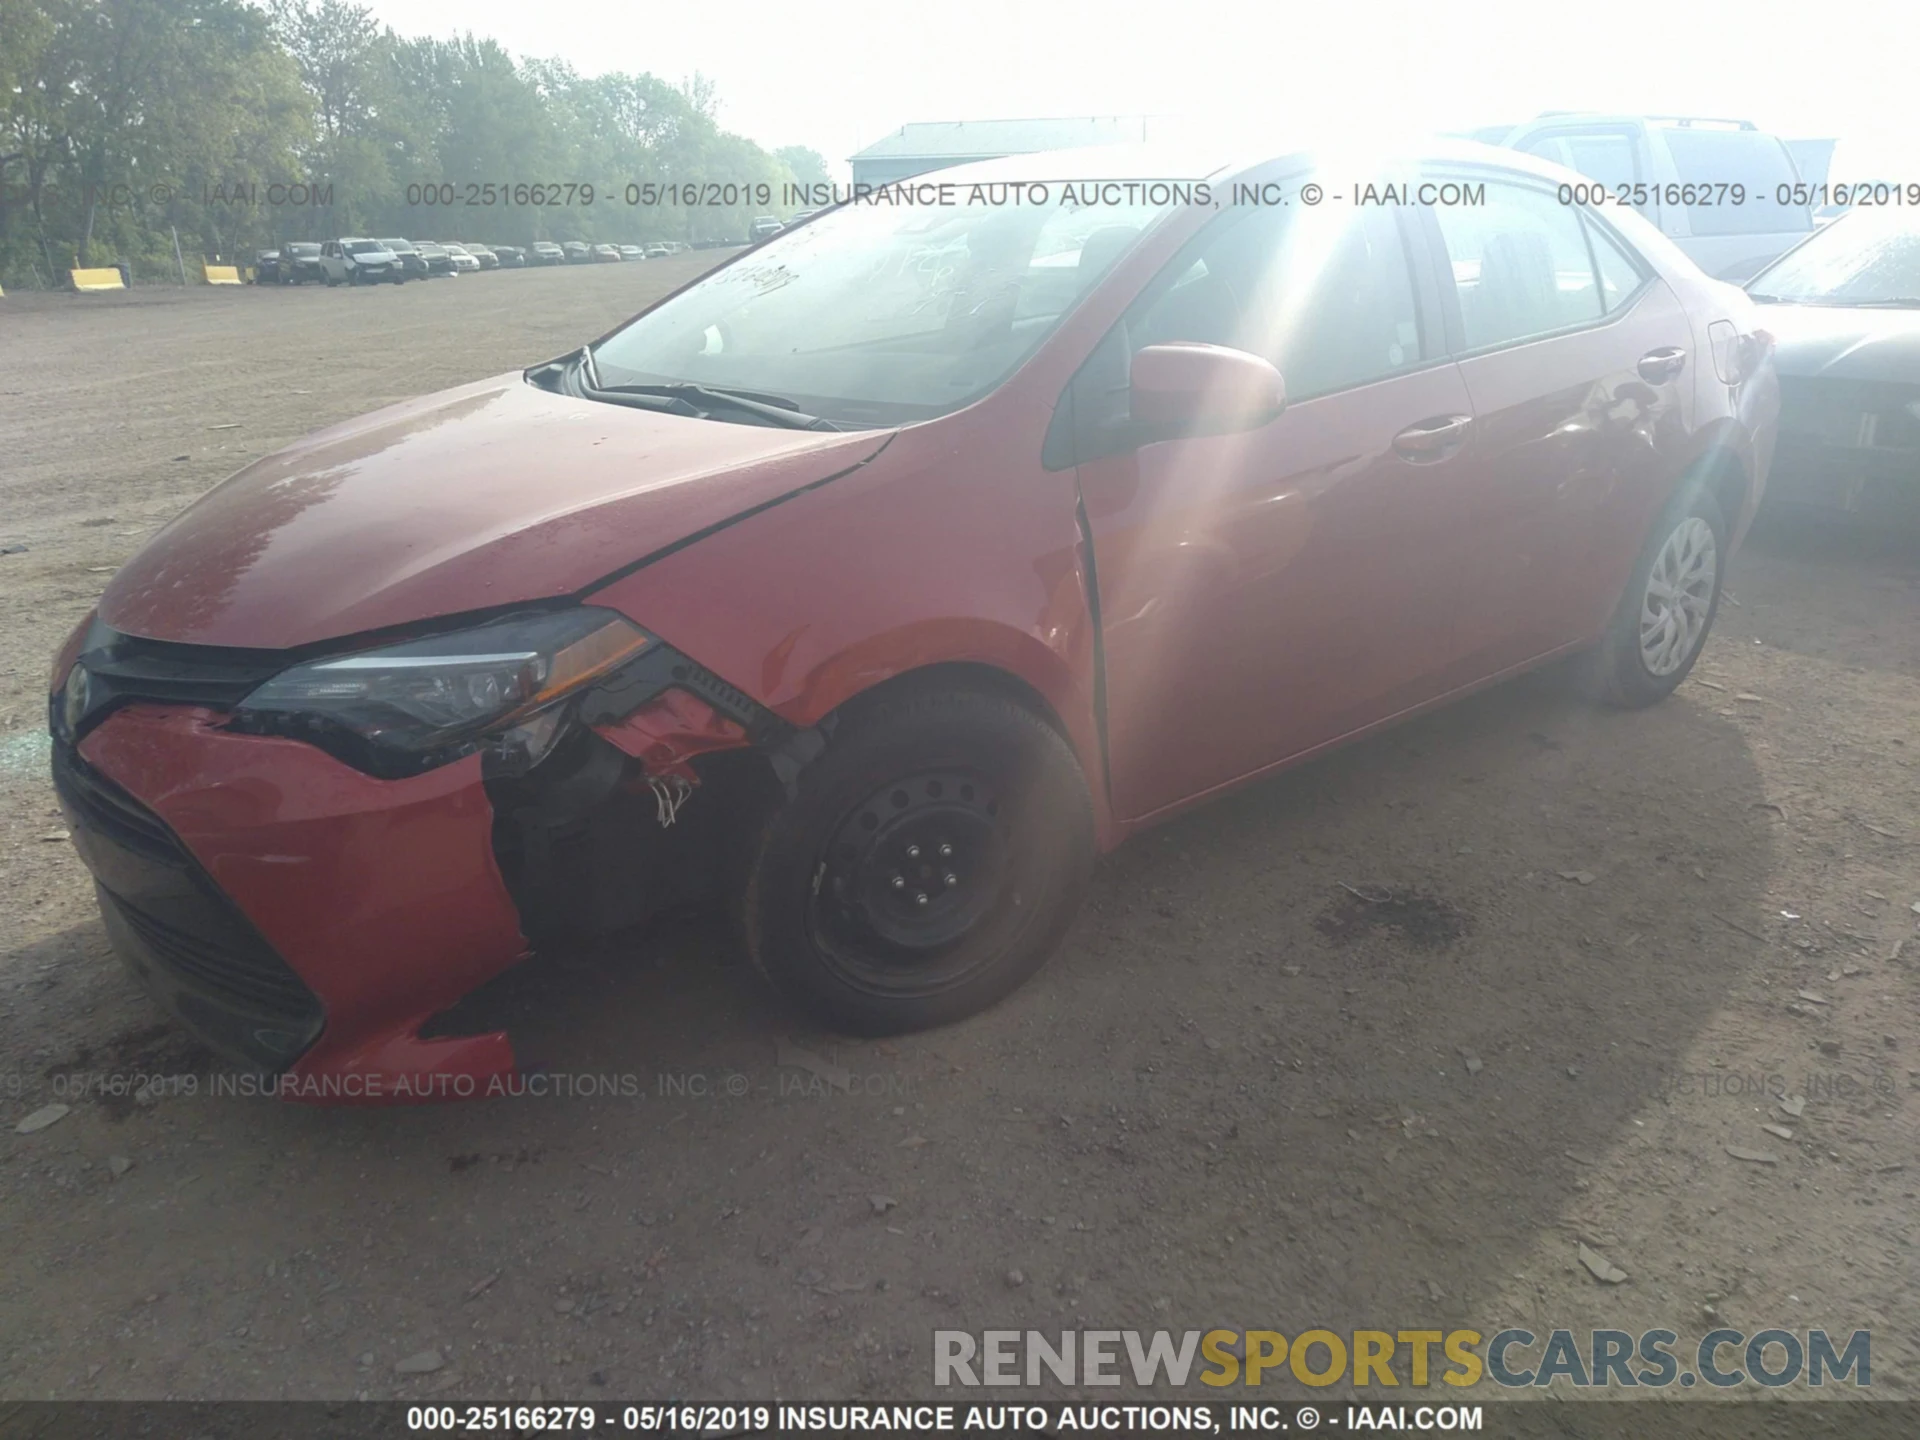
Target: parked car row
[{"x": 362, "y": 261}]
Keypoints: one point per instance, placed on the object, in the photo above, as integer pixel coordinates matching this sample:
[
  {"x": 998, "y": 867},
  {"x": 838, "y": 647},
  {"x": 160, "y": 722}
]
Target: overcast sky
[{"x": 839, "y": 74}]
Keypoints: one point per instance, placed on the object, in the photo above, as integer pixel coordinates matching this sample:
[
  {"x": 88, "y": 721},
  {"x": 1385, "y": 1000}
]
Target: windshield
[
  {"x": 881, "y": 314},
  {"x": 364, "y": 247},
  {"x": 303, "y": 249},
  {"x": 1866, "y": 258},
  {"x": 396, "y": 245}
]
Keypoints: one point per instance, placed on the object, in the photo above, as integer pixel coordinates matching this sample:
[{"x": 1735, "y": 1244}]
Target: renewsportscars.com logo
[{"x": 1610, "y": 1359}]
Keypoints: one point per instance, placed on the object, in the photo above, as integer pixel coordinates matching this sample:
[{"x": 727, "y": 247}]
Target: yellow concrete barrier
[
  {"x": 108, "y": 279},
  {"x": 222, "y": 275}
]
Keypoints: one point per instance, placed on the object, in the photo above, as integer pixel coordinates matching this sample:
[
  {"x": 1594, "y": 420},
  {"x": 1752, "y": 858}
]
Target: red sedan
[{"x": 877, "y": 580}]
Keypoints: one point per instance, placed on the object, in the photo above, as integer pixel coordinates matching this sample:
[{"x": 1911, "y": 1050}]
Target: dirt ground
[{"x": 1587, "y": 950}]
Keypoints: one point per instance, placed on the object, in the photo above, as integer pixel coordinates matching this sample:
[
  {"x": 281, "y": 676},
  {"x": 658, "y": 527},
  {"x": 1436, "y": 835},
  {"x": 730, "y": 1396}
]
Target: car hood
[
  {"x": 1844, "y": 343},
  {"x": 492, "y": 494}
]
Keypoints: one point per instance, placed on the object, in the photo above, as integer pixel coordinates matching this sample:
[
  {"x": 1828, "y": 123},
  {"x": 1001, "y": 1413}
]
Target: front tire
[
  {"x": 926, "y": 865},
  {"x": 1668, "y": 609}
]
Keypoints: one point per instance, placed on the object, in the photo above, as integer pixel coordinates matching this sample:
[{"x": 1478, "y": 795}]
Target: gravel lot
[{"x": 1242, "y": 1096}]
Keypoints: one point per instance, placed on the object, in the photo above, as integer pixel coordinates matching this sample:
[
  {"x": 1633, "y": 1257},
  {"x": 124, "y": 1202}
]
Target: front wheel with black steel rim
[
  {"x": 1669, "y": 607},
  {"x": 927, "y": 863}
]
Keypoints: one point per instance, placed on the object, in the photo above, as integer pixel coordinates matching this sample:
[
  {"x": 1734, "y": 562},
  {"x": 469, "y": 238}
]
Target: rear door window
[
  {"x": 1621, "y": 273},
  {"x": 1709, "y": 158},
  {"x": 1520, "y": 265}
]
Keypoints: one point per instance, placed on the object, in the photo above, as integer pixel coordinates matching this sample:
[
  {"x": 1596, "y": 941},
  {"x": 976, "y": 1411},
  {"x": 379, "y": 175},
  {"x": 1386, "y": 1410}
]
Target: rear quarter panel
[{"x": 1737, "y": 422}]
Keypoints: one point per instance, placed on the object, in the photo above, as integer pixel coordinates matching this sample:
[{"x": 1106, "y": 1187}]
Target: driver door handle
[
  {"x": 1657, "y": 366},
  {"x": 1433, "y": 439}
]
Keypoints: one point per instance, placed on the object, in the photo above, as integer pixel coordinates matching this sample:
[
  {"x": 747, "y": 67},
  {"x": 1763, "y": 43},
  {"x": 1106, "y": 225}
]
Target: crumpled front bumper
[{"x": 218, "y": 855}]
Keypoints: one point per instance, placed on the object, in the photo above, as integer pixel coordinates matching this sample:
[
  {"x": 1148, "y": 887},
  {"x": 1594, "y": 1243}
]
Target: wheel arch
[
  {"x": 959, "y": 674},
  {"x": 983, "y": 656}
]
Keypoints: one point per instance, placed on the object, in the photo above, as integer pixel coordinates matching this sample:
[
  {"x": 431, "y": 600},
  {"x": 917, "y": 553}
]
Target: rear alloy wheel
[
  {"x": 928, "y": 863},
  {"x": 1679, "y": 594},
  {"x": 1669, "y": 607}
]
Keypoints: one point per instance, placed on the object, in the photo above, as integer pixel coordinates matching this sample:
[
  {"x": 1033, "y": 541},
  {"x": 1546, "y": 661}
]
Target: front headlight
[{"x": 404, "y": 707}]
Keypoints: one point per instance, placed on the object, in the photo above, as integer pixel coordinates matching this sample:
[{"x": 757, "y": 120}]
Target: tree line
[{"x": 159, "y": 132}]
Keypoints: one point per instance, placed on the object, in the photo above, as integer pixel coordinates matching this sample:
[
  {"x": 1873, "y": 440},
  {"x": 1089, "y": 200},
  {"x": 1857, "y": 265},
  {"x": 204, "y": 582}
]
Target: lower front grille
[
  {"x": 270, "y": 988},
  {"x": 178, "y": 931}
]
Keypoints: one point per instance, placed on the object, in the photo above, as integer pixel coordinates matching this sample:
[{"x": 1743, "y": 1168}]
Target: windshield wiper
[
  {"x": 1759, "y": 299},
  {"x": 774, "y": 409},
  {"x": 581, "y": 376},
  {"x": 1892, "y": 302}
]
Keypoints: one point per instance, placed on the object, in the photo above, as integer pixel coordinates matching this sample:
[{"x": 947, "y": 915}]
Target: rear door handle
[
  {"x": 1663, "y": 364},
  {"x": 1433, "y": 439}
]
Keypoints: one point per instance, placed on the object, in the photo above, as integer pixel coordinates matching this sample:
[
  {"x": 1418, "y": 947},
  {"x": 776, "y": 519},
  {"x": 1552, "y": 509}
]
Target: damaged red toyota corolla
[{"x": 875, "y": 581}]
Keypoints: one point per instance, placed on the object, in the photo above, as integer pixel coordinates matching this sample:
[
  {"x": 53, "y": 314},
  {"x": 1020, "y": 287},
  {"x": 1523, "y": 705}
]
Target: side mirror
[{"x": 1191, "y": 387}]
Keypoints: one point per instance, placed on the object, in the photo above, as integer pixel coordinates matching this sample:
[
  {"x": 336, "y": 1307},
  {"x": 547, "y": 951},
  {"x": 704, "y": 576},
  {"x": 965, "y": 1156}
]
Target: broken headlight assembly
[{"x": 502, "y": 688}]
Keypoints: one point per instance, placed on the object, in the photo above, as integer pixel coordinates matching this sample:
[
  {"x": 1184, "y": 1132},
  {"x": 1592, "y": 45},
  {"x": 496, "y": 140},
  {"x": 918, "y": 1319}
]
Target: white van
[{"x": 1681, "y": 173}]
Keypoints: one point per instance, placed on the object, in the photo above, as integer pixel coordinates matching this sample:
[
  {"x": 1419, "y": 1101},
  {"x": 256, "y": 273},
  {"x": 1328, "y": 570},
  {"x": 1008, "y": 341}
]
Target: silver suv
[
  {"x": 360, "y": 262},
  {"x": 1680, "y": 172}
]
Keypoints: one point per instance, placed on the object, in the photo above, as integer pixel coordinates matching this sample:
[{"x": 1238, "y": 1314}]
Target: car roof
[{"x": 1220, "y": 160}]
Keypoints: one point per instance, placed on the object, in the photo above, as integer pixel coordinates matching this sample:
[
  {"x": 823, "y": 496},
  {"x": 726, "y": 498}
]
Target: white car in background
[
  {"x": 360, "y": 262},
  {"x": 464, "y": 260},
  {"x": 1679, "y": 172}
]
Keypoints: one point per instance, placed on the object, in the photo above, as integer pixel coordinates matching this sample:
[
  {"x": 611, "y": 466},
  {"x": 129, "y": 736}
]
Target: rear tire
[
  {"x": 1668, "y": 609},
  {"x": 927, "y": 864}
]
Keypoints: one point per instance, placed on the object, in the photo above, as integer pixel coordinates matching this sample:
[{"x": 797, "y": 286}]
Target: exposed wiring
[{"x": 670, "y": 792}]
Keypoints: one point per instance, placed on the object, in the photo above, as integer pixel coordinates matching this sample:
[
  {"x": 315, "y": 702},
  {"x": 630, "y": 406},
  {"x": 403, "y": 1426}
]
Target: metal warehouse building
[{"x": 934, "y": 145}]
